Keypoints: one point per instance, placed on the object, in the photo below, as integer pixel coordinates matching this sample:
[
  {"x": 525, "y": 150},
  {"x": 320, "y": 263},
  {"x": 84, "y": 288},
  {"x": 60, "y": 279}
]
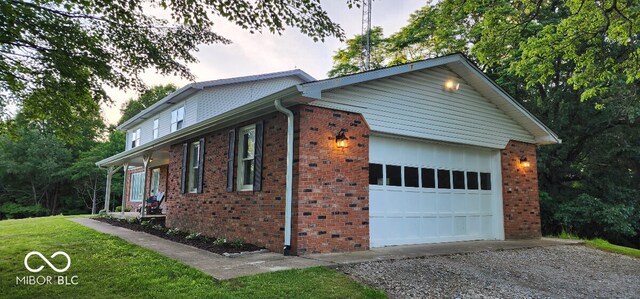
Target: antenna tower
[{"x": 366, "y": 33}]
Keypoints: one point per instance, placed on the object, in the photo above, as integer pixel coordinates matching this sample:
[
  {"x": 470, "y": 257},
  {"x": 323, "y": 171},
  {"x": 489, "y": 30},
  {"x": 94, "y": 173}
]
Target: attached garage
[{"x": 427, "y": 192}]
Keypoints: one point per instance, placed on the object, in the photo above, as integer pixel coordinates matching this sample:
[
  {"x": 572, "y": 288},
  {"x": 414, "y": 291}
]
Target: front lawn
[
  {"x": 602, "y": 245},
  {"x": 108, "y": 267}
]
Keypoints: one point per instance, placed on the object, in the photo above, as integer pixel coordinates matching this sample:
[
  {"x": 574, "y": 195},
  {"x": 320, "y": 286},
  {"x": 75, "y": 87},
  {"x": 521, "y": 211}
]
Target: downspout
[{"x": 289, "y": 177}]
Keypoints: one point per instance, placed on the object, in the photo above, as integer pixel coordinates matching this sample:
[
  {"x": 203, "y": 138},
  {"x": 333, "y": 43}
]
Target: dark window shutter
[
  {"x": 201, "y": 165},
  {"x": 257, "y": 157},
  {"x": 183, "y": 175},
  {"x": 230, "y": 158}
]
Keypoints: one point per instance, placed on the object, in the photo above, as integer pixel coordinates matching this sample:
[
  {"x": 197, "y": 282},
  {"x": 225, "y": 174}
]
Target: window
[
  {"x": 458, "y": 179},
  {"x": 135, "y": 138},
  {"x": 375, "y": 174},
  {"x": 194, "y": 163},
  {"x": 155, "y": 181},
  {"x": 177, "y": 119},
  {"x": 443, "y": 179},
  {"x": 246, "y": 151},
  {"x": 411, "y": 177},
  {"x": 394, "y": 176},
  {"x": 155, "y": 128},
  {"x": 428, "y": 178},
  {"x": 136, "y": 188},
  {"x": 472, "y": 180},
  {"x": 485, "y": 181}
]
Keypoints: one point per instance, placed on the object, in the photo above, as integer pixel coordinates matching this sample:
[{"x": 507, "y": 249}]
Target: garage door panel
[{"x": 423, "y": 214}]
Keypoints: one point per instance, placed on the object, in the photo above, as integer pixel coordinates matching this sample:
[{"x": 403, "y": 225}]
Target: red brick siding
[
  {"x": 255, "y": 217},
  {"x": 331, "y": 185},
  {"x": 520, "y": 192}
]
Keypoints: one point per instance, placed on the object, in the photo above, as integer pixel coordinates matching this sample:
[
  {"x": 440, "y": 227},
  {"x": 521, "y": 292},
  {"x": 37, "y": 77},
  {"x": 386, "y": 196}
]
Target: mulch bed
[{"x": 202, "y": 242}]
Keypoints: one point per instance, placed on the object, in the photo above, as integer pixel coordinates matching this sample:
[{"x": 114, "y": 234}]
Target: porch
[{"x": 136, "y": 215}]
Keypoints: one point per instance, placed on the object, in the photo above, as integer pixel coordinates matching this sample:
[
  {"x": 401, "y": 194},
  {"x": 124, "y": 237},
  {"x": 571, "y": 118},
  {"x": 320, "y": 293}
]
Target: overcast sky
[{"x": 251, "y": 54}]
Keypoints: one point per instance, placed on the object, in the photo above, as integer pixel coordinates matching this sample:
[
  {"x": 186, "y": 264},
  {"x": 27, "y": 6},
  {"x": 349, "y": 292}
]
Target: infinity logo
[{"x": 26, "y": 258}]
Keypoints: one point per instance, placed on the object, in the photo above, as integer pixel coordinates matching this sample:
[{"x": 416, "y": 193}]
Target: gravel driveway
[{"x": 546, "y": 272}]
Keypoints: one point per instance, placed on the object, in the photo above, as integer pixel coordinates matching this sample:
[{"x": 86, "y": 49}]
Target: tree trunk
[{"x": 94, "y": 201}]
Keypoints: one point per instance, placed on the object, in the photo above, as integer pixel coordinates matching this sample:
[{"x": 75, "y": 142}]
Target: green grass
[
  {"x": 602, "y": 245},
  {"x": 108, "y": 267}
]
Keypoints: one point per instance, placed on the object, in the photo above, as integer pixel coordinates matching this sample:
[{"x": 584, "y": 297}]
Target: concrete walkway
[
  {"x": 218, "y": 266},
  {"x": 221, "y": 267}
]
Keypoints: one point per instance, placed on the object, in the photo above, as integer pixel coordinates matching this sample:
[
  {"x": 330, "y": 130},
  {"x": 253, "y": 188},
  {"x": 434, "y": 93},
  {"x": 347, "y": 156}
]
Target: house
[{"x": 426, "y": 152}]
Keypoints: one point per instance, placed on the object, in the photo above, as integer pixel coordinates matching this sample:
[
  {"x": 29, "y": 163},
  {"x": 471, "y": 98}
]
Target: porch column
[
  {"x": 107, "y": 196},
  {"x": 125, "y": 167},
  {"x": 145, "y": 161}
]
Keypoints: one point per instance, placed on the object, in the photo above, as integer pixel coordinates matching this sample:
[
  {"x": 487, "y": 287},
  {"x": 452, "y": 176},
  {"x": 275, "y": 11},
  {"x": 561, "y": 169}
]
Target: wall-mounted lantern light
[
  {"x": 524, "y": 162},
  {"x": 341, "y": 139},
  {"x": 451, "y": 85}
]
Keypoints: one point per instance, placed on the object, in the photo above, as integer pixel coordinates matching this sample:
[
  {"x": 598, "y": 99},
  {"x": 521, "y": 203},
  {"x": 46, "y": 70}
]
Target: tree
[
  {"x": 32, "y": 169},
  {"x": 574, "y": 64},
  {"x": 146, "y": 99},
  {"x": 56, "y": 55},
  {"x": 89, "y": 180},
  {"x": 351, "y": 58}
]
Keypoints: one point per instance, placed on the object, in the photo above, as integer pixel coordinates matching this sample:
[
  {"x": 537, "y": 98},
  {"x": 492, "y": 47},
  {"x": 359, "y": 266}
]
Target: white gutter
[{"x": 289, "y": 179}]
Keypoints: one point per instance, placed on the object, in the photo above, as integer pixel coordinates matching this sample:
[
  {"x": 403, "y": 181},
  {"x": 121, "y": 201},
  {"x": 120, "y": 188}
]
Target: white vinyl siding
[
  {"x": 416, "y": 104},
  {"x": 246, "y": 151},
  {"x": 136, "y": 190}
]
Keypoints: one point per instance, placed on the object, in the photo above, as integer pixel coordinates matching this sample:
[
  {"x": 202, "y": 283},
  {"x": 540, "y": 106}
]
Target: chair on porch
[{"x": 153, "y": 204}]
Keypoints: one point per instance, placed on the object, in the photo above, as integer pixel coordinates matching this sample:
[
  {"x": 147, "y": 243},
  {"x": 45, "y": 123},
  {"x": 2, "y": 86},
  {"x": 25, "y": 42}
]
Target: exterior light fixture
[
  {"x": 451, "y": 85},
  {"x": 524, "y": 162},
  {"x": 341, "y": 139}
]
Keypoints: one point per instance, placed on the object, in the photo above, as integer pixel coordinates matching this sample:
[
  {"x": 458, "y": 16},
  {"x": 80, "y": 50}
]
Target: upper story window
[
  {"x": 177, "y": 119},
  {"x": 135, "y": 138},
  {"x": 246, "y": 152},
  {"x": 155, "y": 128}
]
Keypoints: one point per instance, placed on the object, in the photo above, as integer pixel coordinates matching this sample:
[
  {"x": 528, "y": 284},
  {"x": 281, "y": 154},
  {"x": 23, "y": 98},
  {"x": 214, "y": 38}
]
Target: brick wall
[
  {"x": 255, "y": 217},
  {"x": 331, "y": 185},
  {"x": 520, "y": 192}
]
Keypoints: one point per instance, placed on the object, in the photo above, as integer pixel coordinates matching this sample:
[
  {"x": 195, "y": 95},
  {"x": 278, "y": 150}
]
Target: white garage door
[{"x": 422, "y": 192}]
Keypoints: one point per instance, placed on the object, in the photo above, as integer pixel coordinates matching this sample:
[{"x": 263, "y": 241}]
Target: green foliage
[
  {"x": 193, "y": 236},
  {"x": 56, "y": 56},
  {"x": 146, "y": 99},
  {"x": 119, "y": 209},
  {"x": 237, "y": 243},
  {"x": 10, "y": 210},
  {"x": 351, "y": 58},
  {"x": 174, "y": 231},
  {"x": 220, "y": 242},
  {"x": 606, "y": 246},
  {"x": 98, "y": 257}
]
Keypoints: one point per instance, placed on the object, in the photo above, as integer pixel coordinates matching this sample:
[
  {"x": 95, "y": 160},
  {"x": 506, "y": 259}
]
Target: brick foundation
[
  {"x": 521, "y": 203},
  {"x": 331, "y": 185}
]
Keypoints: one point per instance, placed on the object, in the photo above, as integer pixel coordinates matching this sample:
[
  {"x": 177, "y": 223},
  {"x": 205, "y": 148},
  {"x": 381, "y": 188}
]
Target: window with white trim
[
  {"x": 155, "y": 181},
  {"x": 136, "y": 188},
  {"x": 177, "y": 119},
  {"x": 135, "y": 138},
  {"x": 246, "y": 152},
  {"x": 156, "y": 123},
  {"x": 194, "y": 163}
]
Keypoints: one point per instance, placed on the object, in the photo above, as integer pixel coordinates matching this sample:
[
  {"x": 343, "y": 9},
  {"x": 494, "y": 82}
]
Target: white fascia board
[
  {"x": 253, "y": 109},
  {"x": 314, "y": 89}
]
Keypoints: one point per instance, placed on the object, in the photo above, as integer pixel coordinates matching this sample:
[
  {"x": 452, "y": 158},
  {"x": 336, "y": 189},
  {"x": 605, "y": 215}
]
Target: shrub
[
  {"x": 174, "y": 231},
  {"x": 237, "y": 243},
  {"x": 132, "y": 220},
  {"x": 193, "y": 236},
  {"x": 119, "y": 209},
  {"x": 159, "y": 227},
  {"x": 12, "y": 210},
  {"x": 147, "y": 223},
  {"x": 220, "y": 241}
]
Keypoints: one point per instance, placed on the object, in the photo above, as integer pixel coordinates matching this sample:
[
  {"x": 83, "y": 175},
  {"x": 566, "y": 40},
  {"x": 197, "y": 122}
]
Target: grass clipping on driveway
[{"x": 108, "y": 267}]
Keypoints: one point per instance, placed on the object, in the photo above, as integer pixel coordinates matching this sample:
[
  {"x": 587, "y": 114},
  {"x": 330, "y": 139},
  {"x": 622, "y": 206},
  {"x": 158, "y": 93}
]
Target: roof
[{"x": 192, "y": 88}]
